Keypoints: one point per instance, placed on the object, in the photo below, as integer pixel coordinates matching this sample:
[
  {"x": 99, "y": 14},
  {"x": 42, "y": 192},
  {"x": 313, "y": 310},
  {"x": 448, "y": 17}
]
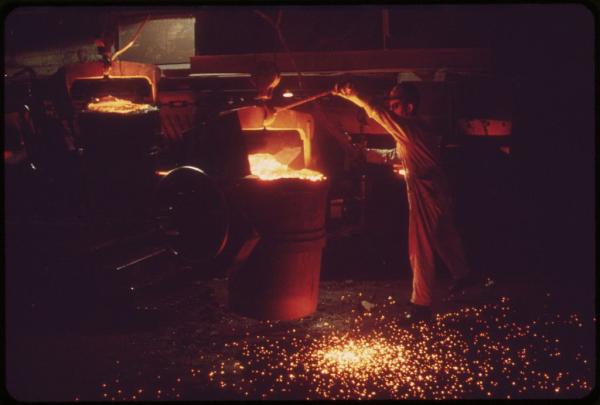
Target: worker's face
[{"x": 398, "y": 108}]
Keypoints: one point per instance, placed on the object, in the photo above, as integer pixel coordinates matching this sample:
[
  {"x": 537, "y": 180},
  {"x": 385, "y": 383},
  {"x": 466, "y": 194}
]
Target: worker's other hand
[
  {"x": 374, "y": 157},
  {"x": 344, "y": 89}
]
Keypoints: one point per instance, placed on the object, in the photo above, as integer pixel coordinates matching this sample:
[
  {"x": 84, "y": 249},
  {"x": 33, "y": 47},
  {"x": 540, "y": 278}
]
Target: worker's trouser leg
[
  {"x": 432, "y": 229},
  {"x": 449, "y": 246},
  {"x": 421, "y": 225}
]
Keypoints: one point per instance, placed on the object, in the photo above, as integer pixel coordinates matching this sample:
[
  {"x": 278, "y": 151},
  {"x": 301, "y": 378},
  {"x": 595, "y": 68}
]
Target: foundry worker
[{"x": 431, "y": 222}]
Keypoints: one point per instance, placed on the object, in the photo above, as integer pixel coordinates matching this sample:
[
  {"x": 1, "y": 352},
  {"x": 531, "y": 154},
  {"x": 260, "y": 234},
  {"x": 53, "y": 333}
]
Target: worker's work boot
[
  {"x": 458, "y": 286},
  {"x": 413, "y": 313}
]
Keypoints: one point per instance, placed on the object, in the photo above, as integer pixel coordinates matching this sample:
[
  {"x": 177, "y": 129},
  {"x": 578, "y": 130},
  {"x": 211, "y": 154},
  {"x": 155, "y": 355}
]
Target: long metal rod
[
  {"x": 304, "y": 101},
  {"x": 141, "y": 259},
  {"x": 286, "y": 107},
  {"x": 130, "y": 44}
]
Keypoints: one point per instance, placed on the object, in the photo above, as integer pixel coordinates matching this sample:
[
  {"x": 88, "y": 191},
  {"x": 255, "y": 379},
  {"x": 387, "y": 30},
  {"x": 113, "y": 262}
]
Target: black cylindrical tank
[{"x": 118, "y": 160}]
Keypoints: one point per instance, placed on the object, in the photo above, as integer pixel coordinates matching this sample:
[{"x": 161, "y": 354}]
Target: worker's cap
[{"x": 405, "y": 92}]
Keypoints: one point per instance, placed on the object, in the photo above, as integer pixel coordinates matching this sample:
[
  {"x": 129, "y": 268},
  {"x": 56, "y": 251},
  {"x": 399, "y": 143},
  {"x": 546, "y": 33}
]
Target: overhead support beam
[{"x": 375, "y": 61}]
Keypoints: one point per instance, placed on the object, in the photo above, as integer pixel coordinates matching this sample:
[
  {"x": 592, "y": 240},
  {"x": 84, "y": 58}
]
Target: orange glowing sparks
[
  {"x": 111, "y": 104},
  {"x": 266, "y": 167},
  {"x": 439, "y": 360},
  {"x": 470, "y": 353},
  {"x": 349, "y": 355}
]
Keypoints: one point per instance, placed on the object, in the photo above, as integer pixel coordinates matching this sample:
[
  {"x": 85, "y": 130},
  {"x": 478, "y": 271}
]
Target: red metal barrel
[{"x": 280, "y": 280}]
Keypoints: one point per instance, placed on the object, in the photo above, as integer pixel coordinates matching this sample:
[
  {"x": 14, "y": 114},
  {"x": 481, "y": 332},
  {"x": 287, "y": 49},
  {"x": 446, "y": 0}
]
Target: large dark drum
[
  {"x": 280, "y": 280},
  {"x": 118, "y": 160}
]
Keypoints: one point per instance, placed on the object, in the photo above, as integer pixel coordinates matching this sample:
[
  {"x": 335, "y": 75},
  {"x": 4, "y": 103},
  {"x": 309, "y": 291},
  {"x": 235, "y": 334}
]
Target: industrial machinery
[
  {"x": 196, "y": 168},
  {"x": 249, "y": 195}
]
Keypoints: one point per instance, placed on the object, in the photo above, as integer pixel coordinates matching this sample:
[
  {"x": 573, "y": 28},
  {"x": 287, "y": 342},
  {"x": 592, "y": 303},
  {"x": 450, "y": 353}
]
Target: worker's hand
[
  {"x": 344, "y": 89},
  {"x": 347, "y": 89}
]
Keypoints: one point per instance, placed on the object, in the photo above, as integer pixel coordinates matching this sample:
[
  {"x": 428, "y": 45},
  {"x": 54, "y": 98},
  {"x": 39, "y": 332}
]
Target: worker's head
[{"x": 403, "y": 99}]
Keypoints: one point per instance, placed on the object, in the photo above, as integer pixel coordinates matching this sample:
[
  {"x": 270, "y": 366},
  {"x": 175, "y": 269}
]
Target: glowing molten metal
[
  {"x": 267, "y": 167},
  {"x": 110, "y": 104}
]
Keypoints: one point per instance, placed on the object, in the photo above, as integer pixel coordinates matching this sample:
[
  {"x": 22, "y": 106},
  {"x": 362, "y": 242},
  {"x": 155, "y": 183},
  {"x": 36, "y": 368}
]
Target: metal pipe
[{"x": 130, "y": 44}]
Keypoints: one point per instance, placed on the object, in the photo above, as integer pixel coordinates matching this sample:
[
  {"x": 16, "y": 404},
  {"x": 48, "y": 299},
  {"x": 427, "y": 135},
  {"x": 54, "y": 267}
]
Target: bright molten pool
[
  {"x": 110, "y": 104},
  {"x": 266, "y": 167}
]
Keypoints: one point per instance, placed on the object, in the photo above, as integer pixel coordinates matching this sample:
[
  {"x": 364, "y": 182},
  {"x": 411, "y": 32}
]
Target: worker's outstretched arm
[{"x": 380, "y": 115}]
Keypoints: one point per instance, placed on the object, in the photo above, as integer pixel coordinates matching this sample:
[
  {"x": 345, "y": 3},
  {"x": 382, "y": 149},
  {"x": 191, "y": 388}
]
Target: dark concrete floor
[
  {"x": 188, "y": 345},
  {"x": 527, "y": 330}
]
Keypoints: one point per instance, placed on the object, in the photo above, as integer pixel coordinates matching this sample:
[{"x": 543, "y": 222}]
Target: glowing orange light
[
  {"x": 111, "y": 104},
  {"x": 399, "y": 169},
  {"x": 350, "y": 355},
  {"x": 266, "y": 167},
  {"x": 288, "y": 94},
  {"x": 162, "y": 173}
]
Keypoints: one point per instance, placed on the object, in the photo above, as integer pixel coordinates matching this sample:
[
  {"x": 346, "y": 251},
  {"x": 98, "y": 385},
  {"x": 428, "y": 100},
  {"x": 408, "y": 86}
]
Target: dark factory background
[{"x": 526, "y": 197}]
